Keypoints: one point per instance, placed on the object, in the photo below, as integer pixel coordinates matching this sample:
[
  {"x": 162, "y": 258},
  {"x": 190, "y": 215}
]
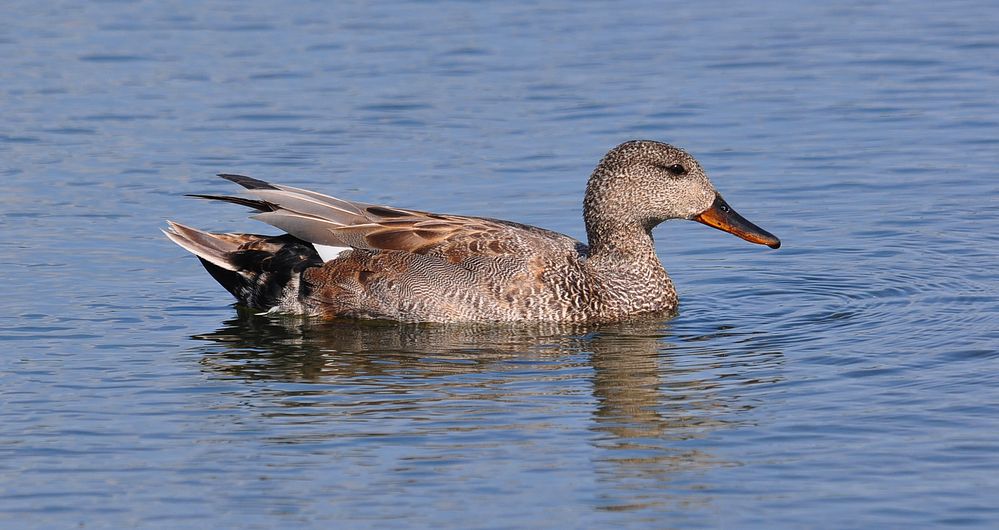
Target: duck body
[
  {"x": 519, "y": 273},
  {"x": 346, "y": 259}
]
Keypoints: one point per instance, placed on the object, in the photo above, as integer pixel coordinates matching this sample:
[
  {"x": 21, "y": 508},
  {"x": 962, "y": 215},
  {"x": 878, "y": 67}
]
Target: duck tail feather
[
  {"x": 260, "y": 206},
  {"x": 262, "y": 272},
  {"x": 209, "y": 247},
  {"x": 249, "y": 183}
]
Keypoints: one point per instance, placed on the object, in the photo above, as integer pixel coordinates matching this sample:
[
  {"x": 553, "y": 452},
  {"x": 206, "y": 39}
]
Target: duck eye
[{"x": 675, "y": 169}]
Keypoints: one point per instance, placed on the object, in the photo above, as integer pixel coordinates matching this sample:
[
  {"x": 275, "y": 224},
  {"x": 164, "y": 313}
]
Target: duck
[{"x": 343, "y": 259}]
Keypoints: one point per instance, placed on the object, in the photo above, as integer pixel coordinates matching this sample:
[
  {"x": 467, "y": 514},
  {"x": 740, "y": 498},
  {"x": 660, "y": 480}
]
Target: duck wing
[{"x": 325, "y": 220}]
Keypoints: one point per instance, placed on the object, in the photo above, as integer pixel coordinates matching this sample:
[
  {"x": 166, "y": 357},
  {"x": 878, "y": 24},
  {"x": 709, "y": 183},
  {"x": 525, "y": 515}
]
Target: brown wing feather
[{"x": 328, "y": 220}]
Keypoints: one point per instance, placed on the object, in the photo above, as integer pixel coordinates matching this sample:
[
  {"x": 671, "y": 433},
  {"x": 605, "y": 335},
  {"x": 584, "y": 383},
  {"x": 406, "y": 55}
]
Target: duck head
[{"x": 642, "y": 183}]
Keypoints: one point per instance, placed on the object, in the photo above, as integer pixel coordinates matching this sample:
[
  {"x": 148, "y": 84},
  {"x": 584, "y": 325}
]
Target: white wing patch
[{"x": 328, "y": 252}]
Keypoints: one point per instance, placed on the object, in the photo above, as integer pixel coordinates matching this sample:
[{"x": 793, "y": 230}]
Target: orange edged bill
[{"x": 721, "y": 216}]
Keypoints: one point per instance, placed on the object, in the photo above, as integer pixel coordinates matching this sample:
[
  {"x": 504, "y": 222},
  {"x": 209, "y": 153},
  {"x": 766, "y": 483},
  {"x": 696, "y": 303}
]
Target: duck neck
[
  {"x": 627, "y": 276},
  {"x": 614, "y": 230},
  {"x": 619, "y": 237},
  {"x": 628, "y": 242}
]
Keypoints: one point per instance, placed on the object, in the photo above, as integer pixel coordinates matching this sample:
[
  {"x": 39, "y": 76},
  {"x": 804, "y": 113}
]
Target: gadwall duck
[{"x": 346, "y": 259}]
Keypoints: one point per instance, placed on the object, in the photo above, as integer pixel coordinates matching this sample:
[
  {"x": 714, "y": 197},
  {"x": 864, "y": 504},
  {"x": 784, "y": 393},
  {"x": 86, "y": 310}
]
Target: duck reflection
[
  {"x": 307, "y": 350},
  {"x": 658, "y": 396},
  {"x": 651, "y": 392}
]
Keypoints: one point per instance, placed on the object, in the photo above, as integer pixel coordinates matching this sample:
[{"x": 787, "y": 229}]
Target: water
[{"x": 847, "y": 380}]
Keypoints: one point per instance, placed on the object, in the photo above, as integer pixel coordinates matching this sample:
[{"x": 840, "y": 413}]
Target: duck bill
[{"x": 721, "y": 216}]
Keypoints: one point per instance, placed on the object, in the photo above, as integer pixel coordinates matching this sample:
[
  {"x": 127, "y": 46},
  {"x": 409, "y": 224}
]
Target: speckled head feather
[
  {"x": 638, "y": 185},
  {"x": 390, "y": 263}
]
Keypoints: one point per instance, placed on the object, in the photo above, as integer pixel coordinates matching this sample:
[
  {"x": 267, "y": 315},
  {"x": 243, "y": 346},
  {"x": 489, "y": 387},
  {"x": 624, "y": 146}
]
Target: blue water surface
[{"x": 848, "y": 380}]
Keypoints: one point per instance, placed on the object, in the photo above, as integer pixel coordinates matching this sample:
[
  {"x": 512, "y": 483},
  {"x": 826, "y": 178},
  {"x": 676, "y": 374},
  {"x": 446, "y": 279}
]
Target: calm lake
[{"x": 848, "y": 380}]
